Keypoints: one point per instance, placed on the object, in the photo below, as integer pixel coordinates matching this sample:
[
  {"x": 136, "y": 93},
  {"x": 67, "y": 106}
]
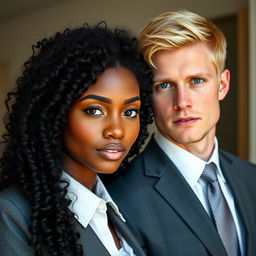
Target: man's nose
[{"x": 182, "y": 98}]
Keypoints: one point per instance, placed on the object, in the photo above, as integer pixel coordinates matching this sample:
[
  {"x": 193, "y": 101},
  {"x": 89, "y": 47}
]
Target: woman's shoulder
[
  {"x": 15, "y": 234},
  {"x": 12, "y": 201}
]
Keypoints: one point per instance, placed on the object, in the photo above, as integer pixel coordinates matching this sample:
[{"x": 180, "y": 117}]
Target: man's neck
[{"x": 202, "y": 149}]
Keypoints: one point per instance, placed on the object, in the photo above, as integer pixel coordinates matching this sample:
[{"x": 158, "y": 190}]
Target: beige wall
[{"x": 19, "y": 33}]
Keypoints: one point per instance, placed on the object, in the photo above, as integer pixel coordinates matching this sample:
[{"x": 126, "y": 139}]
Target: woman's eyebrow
[
  {"x": 107, "y": 100},
  {"x": 96, "y": 97},
  {"x": 132, "y": 100}
]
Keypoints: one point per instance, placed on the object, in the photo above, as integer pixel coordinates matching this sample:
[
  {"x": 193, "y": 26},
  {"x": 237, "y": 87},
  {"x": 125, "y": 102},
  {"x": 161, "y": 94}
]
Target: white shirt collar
[
  {"x": 85, "y": 202},
  {"x": 193, "y": 167}
]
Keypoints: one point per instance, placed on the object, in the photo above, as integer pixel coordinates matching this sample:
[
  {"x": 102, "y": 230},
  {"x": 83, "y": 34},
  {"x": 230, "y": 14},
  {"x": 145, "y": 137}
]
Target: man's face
[{"x": 186, "y": 94}]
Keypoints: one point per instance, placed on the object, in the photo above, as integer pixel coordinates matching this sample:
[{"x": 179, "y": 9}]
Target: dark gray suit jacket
[
  {"x": 166, "y": 215},
  {"x": 15, "y": 235}
]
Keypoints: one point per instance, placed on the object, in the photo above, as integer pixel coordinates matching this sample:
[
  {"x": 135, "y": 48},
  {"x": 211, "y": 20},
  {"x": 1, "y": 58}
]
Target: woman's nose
[{"x": 114, "y": 130}]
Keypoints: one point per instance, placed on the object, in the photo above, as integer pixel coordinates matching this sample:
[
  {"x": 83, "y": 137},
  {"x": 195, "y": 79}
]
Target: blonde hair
[{"x": 172, "y": 30}]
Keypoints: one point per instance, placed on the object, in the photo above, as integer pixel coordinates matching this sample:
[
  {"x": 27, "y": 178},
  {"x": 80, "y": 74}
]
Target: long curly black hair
[{"x": 60, "y": 70}]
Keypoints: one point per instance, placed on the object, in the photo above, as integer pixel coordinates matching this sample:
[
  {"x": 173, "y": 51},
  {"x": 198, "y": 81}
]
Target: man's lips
[
  {"x": 113, "y": 151},
  {"x": 185, "y": 120}
]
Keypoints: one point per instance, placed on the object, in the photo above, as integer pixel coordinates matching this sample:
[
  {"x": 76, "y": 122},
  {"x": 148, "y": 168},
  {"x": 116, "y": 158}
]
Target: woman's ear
[{"x": 224, "y": 84}]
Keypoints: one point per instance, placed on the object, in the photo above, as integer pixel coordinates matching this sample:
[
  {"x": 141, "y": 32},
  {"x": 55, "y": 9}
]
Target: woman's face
[{"x": 102, "y": 125}]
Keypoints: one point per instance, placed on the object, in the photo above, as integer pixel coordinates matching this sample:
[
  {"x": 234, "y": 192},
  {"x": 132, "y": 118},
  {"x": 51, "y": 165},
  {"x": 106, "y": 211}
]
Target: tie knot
[{"x": 209, "y": 173}]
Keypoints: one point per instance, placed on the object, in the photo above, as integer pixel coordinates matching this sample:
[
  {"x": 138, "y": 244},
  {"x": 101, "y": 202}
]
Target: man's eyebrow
[
  {"x": 165, "y": 78},
  {"x": 96, "y": 97},
  {"x": 208, "y": 74},
  {"x": 132, "y": 100},
  {"x": 159, "y": 81}
]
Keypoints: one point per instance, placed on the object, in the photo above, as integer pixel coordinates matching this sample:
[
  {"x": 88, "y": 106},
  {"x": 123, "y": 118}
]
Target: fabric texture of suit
[
  {"x": 15, "y": 235},
  {"x": 166, "y": 215}
]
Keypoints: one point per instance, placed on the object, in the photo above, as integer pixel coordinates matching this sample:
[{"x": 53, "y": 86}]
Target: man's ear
[{"x": 224, "y": 84}]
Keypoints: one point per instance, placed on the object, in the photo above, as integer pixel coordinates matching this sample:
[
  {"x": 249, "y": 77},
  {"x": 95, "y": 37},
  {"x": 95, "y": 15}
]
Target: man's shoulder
[
  {"x": 133, "y": 173},
  {"x": 236, "y": 161},
  {"x": 134, "y": 169},
  {"x": 244, "y": 167},
  {"x": 147, "y": 159}
]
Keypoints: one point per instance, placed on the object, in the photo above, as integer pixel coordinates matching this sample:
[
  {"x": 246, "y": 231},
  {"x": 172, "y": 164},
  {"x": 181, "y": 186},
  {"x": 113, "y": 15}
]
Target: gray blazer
[
  {"x": 166, "y": 215},
  {"x": 15, "y": 235}
]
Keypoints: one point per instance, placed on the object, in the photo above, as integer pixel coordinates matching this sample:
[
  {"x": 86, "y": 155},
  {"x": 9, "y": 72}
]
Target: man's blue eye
[
  {"x": 164, "y": 85},
  {"x": 197, "y": 80}
]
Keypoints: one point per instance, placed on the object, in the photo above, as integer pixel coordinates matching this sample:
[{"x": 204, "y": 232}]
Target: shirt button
[{"x": 101, "y": 206}]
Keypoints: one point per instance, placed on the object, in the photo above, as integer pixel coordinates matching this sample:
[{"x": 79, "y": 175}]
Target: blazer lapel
[
  {"x": 124, "y": 231},
  {"x": 174, "y": 189},
  {"x": 234, "y": 177},
  {"x": 92, "y": 245}
]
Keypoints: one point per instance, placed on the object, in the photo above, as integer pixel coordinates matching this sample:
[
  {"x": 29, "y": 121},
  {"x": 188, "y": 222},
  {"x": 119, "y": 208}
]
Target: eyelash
[
  {"x": 197, "y": 78},
  {"x": 168, "y": 85},
  {"x": 132, "y": 110},
  {"x": 95, "y": 109},
  {"x": 163, "y": 86},
  {"x": 87, "y": 111}
]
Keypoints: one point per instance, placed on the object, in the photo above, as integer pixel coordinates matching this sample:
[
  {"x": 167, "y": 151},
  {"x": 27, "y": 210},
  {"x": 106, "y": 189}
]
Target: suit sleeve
[{"x": 14, "y": 232}]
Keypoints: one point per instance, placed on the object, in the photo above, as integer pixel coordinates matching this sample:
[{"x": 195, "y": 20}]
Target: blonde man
[{"x": 183, "y": 195}]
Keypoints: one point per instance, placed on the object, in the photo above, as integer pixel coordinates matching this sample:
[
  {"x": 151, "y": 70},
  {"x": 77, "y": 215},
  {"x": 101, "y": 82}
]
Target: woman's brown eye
[
  {"x": 132, "y": 113},
  {"x": 93, "y": 111}
]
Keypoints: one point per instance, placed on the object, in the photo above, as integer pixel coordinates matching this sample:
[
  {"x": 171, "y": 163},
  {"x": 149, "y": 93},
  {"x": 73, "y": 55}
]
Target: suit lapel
[
  {"x": 92, "y": 245},
  {"x": 174, "y": 189},
  {"x": 124, "y": 231},
  {"x": 234, "y": 178}
]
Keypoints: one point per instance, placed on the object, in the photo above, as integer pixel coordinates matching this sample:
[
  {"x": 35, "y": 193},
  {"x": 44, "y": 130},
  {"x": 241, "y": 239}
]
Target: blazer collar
[
  {"x": 92, "y": 244},
  {"x": 124, "y": 231},
  {"x": 155, "y": 160}
]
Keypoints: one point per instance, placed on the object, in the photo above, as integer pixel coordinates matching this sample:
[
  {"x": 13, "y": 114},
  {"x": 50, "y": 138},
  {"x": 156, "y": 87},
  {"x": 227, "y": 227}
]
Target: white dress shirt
[
  {"x": 192, "y": 168},
  {"x": 90, "y": 209}
]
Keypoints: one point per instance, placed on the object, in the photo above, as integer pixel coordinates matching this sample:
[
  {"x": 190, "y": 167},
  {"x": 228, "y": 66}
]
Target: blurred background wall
[{"x": 22, "y": 23}]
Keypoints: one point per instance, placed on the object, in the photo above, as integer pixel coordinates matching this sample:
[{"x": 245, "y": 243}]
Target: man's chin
[{"x": 185, "y": 140}]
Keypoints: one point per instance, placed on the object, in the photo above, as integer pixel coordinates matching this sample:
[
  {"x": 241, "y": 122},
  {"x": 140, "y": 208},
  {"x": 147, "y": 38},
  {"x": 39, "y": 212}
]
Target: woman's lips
[{"x": 111, "y": 151}]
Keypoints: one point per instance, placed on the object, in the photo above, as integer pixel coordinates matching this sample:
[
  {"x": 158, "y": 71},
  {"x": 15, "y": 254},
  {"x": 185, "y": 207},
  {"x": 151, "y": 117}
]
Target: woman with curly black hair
[{"x": 77, "y": 111}]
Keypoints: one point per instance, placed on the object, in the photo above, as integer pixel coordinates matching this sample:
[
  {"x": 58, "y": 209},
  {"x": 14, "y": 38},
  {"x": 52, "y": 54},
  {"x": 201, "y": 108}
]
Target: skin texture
[
  {"x": 103, "y": 119},
  {"x": 186, "y": 95}
]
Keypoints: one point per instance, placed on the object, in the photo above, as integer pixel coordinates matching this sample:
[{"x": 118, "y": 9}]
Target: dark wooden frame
[{"x": 241, "y": 136}]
